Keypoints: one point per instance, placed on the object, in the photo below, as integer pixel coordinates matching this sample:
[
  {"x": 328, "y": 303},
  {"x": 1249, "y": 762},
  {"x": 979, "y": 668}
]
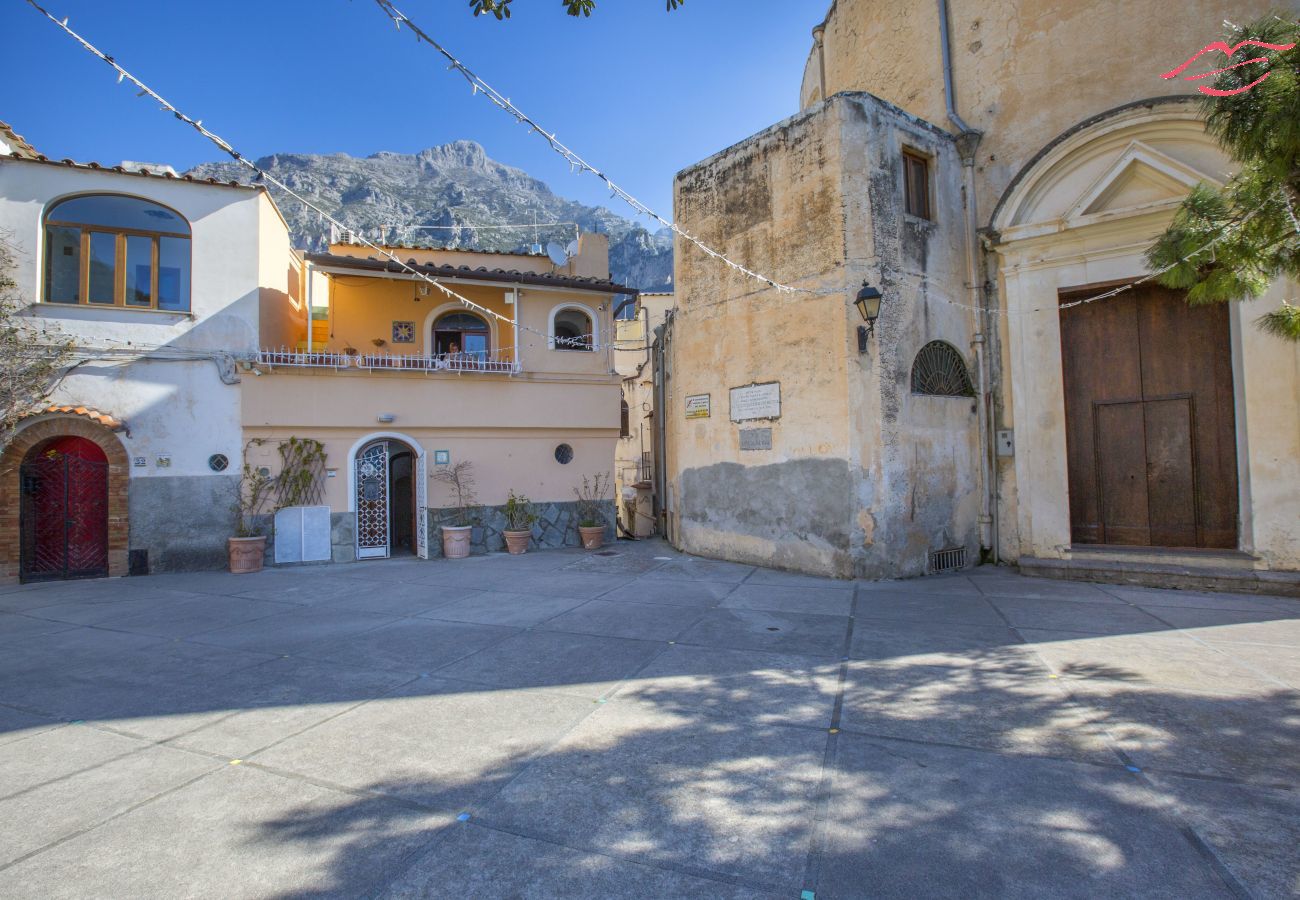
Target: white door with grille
[
  {"x": 422, "y": 505},
  {"x": 372, "y": 502}
]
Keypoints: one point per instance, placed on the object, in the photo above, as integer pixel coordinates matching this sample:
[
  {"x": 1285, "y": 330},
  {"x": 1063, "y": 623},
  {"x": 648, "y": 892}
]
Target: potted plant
[
  {"x": 246, "y": 551},
  {"x": 591, "y": 517},
  {"x": 460, "y": 482},
  {"x": 520, "y": 516}
]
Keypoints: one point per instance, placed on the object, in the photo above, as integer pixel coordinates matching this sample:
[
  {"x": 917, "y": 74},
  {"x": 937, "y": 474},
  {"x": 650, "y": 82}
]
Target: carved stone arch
[{"x": 1138, "y": 159}]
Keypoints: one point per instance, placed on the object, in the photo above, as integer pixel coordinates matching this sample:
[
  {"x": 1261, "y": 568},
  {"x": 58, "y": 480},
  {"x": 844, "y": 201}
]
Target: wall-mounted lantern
[{"x": 868, "y": 304}]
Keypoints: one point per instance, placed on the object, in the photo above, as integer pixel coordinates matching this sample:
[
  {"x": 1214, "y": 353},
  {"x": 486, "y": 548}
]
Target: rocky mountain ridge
[{"x": 450, "y": 195}]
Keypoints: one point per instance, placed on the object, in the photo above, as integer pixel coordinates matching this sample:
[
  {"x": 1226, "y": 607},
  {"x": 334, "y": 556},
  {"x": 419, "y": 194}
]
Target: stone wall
[{"x": 557, "y": 527}]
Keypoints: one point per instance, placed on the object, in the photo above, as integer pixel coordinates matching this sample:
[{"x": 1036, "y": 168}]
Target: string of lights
[
  {"x": 576, "y": 162},
  {"x": 263, "y": 175}
]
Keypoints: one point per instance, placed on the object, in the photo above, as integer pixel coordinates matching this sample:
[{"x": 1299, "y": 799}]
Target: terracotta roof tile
[{"x": 85, "y": 412}]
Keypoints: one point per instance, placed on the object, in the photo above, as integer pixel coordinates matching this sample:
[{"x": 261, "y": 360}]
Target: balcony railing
[{"x": 389, "y": 362}]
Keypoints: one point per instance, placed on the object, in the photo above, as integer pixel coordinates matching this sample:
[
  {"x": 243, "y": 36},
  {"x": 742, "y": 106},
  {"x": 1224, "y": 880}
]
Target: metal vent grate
[{"x": 947, "y": 560}]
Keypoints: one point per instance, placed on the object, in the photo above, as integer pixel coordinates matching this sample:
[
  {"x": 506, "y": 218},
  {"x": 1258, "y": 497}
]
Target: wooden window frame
[
  {"x": 119, "y": 263},
  {"x": 925, "y": 208}
]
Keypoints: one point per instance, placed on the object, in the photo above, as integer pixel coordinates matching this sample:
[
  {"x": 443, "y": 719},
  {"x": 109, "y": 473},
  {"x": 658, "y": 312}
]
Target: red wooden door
[
  {"x": 64, "y": 514},
  {"x": 1149, "y": 420}
]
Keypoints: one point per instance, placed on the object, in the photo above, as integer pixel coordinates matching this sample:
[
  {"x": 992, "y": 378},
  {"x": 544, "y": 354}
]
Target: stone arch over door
[
  {"x": 36, "y": 432},
  {"x": 1074, "y": 224}
]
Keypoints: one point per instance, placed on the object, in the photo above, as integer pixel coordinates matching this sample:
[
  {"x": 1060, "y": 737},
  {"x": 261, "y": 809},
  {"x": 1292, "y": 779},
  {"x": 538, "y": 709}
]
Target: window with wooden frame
[
  {"x": 115, "y": 250},
  {"x": 916, "y": 185}
]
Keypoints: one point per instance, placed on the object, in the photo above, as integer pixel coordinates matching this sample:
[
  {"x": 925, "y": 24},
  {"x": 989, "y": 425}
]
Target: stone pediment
[{"x": 1141, "y": 177}]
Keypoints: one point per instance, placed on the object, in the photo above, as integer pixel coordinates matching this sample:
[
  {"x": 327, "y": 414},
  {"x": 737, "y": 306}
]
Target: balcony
[{"x": 499, "y": 362}]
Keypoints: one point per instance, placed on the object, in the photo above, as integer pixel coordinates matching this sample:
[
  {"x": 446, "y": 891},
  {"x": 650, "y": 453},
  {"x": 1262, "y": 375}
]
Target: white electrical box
[{"x": 1006, "y": 443}]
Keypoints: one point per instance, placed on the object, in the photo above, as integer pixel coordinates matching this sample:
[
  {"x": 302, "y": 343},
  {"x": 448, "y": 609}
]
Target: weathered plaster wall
[
  {"x": 862, "y": 479},
  {"x": 1024, "y": 70},
  {"x": 203, "y": 502},
  {"x": 177, "y": 411}
]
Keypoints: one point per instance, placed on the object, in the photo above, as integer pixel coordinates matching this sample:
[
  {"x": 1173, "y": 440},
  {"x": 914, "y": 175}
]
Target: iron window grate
[{"x": 947, "y": 560}]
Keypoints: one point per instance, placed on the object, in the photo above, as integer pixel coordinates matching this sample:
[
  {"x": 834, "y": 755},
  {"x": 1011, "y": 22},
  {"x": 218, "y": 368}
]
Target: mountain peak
[{"x": 450, "y": 195}]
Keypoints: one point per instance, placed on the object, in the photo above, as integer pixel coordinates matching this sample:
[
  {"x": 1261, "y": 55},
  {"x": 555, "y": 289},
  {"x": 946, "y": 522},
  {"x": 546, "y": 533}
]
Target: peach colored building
[
  {"x": 984, "y": 166},
  {"x": 396, "y": 380}
]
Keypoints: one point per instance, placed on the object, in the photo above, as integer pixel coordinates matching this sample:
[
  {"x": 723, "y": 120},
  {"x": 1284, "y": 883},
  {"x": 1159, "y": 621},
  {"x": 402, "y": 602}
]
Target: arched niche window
[
  {"x": 940, "y": 371},
  {"x": 624, "y": 426},
  {"x": 115, "y": 250},
  {"x": 462, "y": 333},
  {"x": 572, "y": 328}
]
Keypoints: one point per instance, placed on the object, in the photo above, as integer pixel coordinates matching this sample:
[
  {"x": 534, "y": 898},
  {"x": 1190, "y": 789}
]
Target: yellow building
[
  {"x": 983, "y": 167},
  {"x": 396, "y": 380},
  {"x": 634, "y": 461}
]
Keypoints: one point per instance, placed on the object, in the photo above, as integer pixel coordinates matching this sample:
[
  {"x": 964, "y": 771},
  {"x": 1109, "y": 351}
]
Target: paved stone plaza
[{"x": 643, "y": 724}]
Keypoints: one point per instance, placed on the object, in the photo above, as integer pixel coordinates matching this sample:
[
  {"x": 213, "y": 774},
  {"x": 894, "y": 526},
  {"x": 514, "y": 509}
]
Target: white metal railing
[{"x": 388, "y": 362}]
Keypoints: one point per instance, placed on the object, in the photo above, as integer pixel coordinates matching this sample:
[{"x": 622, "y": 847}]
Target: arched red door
[{"x": 64, "y": 515}]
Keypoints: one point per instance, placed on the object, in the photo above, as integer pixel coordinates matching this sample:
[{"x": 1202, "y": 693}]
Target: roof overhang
[{"x": 384, "y": 268}]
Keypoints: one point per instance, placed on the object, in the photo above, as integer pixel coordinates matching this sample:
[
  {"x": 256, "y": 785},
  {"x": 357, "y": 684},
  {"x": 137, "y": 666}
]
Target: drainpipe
[{"x": 968, "y": 140}]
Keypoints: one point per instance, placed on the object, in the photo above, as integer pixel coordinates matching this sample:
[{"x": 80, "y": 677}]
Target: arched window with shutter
[
  {"x": 625, "y": 427},
  {"x": 939, "y": 371}
]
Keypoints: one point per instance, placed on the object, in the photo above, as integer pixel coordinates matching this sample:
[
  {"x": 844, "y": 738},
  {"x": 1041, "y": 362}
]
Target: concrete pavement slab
[
  {"x": 1253, "y": 831},
  {"x": 940, "y": 585},
  {"x": 791, "y": 598},
  {"x": 481, "y": 862},
  {"x": 645, "y": 621},
  {"x": 1068, "y": 615},
  {"x": 55, "y": 754},
  {"x": 746, "y": 685},
  {"x": 1278, "y": 628},
  {"x": 291, "y": 631},
  {"x": 190, "y": 617},
  {"x": 1163, "y": 659},
  {"x": 407, "y": 645},
  {"x": 748, "y": 629},
  {"x": 1014, "y": 708},
  {"x": 671, "y": 593},
  {"x": 58, "y": 809},
  {"x": 497, "y": 608},
  {"x": 908, "y": 820},
  {"x": 586, "y": 665},
  {"x": 237, "y": 833},
  {"x": 398, "y": 598},
  {"x": 261, "y": 705},
  {"x": 1249, "y": 738},
  {"x": 691, "y": 568},
  {"x": 959, "y": 609},
  {"x": 711, "y": 794},
  {"x": 932, "y": 643},
  {"x": 443, "y": 744}
]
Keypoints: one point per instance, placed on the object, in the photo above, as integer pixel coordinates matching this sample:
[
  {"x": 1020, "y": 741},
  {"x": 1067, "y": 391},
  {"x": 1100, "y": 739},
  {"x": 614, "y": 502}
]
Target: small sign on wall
[
  {"x": 755, "y": 439},
  {"x": 756, "y": 401},
  {"x": 697, "y": 406},
  {"x": 441, "y": 457}
]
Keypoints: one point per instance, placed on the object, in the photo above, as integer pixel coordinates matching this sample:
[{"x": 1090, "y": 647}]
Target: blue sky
[{"x": 639, "y": 92}]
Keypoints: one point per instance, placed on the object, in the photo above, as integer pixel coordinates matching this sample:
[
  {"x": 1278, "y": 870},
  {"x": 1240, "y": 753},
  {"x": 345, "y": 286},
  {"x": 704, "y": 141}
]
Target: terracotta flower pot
[
  {"x": 246, "y": 554},
  {"x": 456, "y": 540},
  {"x": 593, "y": 536},
  {"x": 517, "y": 541}
]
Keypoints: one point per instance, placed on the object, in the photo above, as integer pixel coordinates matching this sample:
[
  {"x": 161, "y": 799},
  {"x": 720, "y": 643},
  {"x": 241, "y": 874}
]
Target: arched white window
[
  {"x": 115, "y": 250},
  {"x": 573, "y": 327}
]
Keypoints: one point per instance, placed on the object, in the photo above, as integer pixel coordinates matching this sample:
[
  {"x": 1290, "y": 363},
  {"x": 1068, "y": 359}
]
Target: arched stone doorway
[{"x": 63, "y": 501}]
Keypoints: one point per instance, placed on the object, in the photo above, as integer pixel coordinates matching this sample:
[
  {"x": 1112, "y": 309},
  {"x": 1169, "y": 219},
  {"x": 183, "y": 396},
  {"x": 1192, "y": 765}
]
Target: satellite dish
[
  {"x": 557, "y": 254},
  {"x": 572, "y": 249}
]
